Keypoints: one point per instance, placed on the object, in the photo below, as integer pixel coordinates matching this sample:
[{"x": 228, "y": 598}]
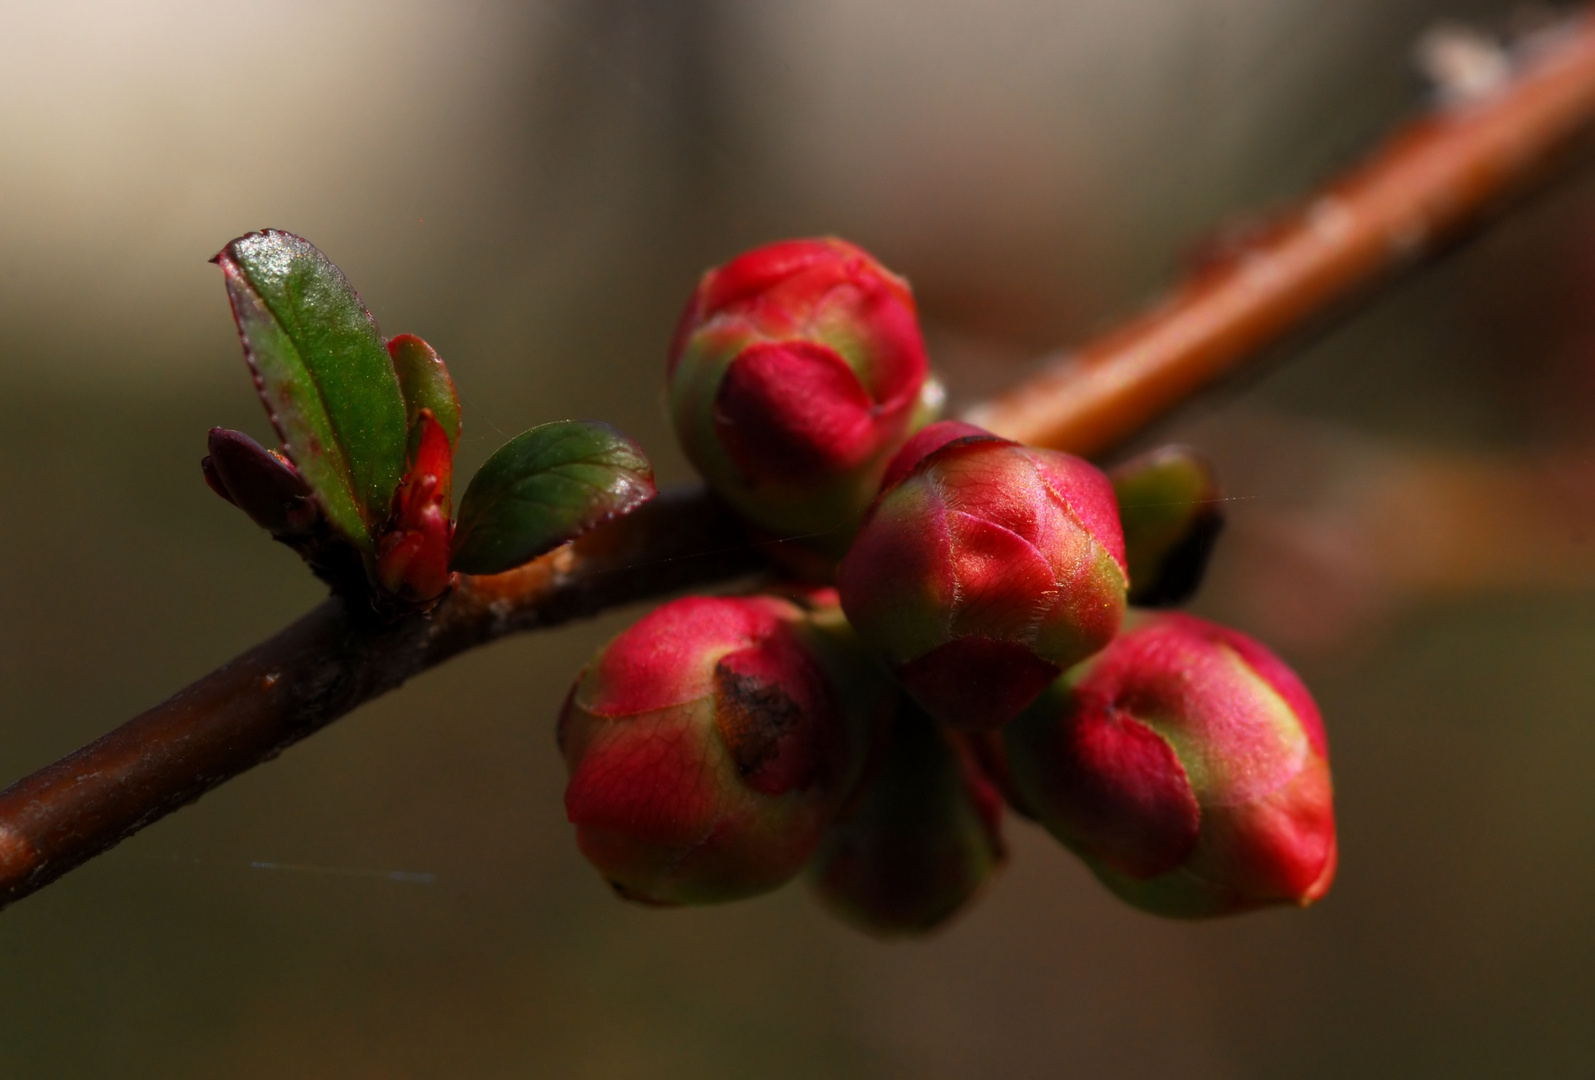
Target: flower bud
[
  {"x": 921, "y": 840},
  {"x": 1187, "y": 765},
  {"x": 413, "y": 550},
  {"x": 795, "y": 373},
  {"x": 1172, "y": 513},
  {"x": 709, "y": 744},
  {"x": 261, "y": 483},
  {"x": 984, "y": 569}
]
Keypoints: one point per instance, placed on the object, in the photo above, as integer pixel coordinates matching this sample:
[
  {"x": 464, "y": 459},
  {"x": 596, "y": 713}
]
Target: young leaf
[
  {"x": 425, "y": 384},
  {"x": 544, "y": 487},
  {"x": 323, "y": 374}
]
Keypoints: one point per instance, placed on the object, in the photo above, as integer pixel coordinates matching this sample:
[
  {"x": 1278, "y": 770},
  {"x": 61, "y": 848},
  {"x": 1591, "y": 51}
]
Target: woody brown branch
[
  {"x": 1431, "y": 183},
  {"x": 327, "y": 664},
  {"x": 1439, "y": 177}
]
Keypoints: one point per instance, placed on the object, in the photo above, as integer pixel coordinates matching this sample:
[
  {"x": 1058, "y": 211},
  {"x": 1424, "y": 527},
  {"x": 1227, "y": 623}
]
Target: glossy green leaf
[
  {"x": 425, "y": 383},
  {"x": 544, "y": 487},
  {"x": 323, "y": 373}
]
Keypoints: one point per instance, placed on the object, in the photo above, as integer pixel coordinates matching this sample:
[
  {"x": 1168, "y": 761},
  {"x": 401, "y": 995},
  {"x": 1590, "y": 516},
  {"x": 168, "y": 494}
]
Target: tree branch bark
[
  {"x": 1437, "y": 178},
  {"x": 1431, "y": 184},
  {"x": 327, "y": 664}
]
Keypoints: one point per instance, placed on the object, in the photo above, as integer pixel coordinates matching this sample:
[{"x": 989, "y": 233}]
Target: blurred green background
[{"x": 534, "y": 188}]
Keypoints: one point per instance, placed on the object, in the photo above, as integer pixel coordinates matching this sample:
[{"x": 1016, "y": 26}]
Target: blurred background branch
[{"x": 1282, "y": 273}]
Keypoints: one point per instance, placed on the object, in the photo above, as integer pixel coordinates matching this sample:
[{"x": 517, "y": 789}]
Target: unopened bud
[
  {"x": 413, "y": 549},
  {"x": 1172, "y": 512},
  {"x": 1187, "y": 765},
  {"x": 985, "y": 569},
  {"x": 921, "y": 840},
  {"x": 795, "y": 373},
  {"x": 260, "y": 483},
  {"x": 708, "y": 746}
]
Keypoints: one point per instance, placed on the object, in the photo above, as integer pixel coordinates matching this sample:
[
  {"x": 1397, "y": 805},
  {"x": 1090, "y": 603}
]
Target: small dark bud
[
  {"x": 260, "y": 483},
  {"x": 1172, "y": 513},
  {"x": 921, "y": 840},
  {"x": 213, "y": 479}
]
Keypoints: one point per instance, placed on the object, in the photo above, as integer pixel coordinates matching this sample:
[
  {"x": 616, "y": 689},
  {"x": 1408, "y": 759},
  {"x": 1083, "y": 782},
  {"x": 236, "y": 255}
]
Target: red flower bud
[
  {"x": 1187, "y": 765},
  {"x": 413, "y": 551},
  {"x": 794, "y": 375},
  {"x": 921, "y": 840},
  {"x": 709, "y": 745},
  {"x": 984, "y": 569}
]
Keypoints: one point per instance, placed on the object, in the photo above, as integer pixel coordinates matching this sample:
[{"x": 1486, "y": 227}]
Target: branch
[
  {"x": 327, "y": 664},
  {"x": 1427, "y": 187},
  {"x": 1430, "y": 183}
]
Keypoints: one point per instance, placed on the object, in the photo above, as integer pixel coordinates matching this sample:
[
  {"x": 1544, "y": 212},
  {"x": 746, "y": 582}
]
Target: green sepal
[
  {"x": 323, "y": 374},
  {"x": 425, "y": 384},
  {"x": 544, "y": 487}
]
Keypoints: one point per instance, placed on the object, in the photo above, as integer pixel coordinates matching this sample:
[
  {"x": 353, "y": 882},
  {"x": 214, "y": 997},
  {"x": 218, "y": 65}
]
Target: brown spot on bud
[
  {"x": 754, "y": 717},
  {"x": 775, "y": 714}
]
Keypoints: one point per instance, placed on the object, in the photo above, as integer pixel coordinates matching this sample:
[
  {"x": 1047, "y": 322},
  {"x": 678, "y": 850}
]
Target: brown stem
[
  {"x": 327, "y": 664},
  {"x": 1435, "y": 178}
]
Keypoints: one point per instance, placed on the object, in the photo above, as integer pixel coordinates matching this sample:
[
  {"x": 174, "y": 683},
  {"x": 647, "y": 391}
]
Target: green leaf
[
  {"x": 323, "y": 373},
  {"x": 544, "y": 487},
  {"x": 425, "y": 383}
]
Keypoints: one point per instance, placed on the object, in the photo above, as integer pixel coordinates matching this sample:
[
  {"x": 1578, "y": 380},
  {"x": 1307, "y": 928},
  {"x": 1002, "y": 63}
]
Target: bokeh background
[{"x": 534, "y": 188}]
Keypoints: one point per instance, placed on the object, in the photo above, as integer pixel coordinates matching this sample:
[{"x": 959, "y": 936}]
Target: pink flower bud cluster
[{"x": 975, "y": 649}]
